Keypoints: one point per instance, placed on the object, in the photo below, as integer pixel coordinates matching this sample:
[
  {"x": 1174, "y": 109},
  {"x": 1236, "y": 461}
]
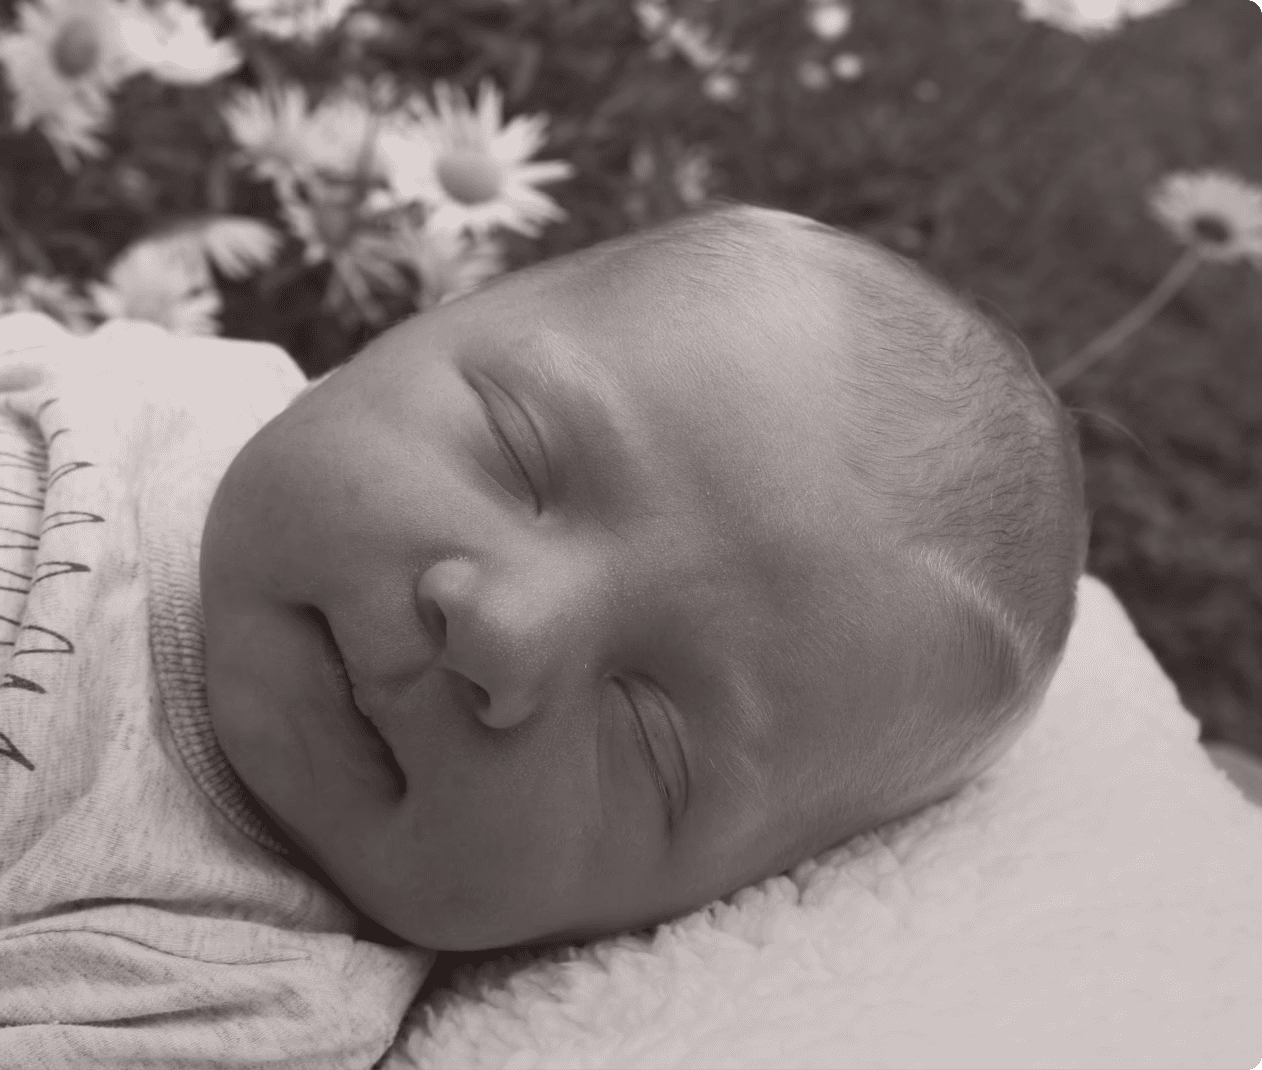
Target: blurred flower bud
[
  {"x": 812, "y": 75},
  {"x": 828, "y": 19},
  {"x": 364, "y": 27},
  {"x": 926, "y": 91},
  {"x": 643, "y": 163},
  {"x": 847, "y": 66},
  {"x": 134, "y": 186},
  {"x": 721, "y": 87},
  {"x": 691, "y": 176}
]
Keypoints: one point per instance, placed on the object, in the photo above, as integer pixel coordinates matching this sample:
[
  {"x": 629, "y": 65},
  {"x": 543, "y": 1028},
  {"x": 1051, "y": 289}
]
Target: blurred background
[{"x": 310, "y": 172}]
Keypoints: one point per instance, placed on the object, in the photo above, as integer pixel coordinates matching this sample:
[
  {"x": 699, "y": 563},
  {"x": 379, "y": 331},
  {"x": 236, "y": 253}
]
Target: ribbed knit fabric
[{"x": 147, "y": 918}]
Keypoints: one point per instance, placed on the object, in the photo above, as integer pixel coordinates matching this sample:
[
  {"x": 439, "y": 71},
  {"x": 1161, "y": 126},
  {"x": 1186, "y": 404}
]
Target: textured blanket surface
[{"x": 1093, "y": 900}]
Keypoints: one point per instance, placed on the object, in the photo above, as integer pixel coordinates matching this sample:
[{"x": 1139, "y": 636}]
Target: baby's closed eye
[
  {"x": 506, "y": 430},
  {"x": 659, "y": 748}
]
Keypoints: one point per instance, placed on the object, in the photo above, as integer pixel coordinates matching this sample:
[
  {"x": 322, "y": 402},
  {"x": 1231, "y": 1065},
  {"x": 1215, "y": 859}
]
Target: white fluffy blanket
[{"x": 1094, "y": 900}]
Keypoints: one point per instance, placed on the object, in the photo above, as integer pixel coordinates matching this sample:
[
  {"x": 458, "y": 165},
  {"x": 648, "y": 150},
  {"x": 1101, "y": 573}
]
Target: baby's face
[{"x": 520, "y": 624}]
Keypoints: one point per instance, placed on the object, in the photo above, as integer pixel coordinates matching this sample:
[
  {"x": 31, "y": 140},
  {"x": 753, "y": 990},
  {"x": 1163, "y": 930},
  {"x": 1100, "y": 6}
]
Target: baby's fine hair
[{"x": 971, "y": 468}]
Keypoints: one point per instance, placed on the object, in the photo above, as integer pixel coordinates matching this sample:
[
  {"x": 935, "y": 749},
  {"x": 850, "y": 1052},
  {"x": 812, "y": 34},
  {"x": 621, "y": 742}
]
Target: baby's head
[{"x": 637, "y": 576}]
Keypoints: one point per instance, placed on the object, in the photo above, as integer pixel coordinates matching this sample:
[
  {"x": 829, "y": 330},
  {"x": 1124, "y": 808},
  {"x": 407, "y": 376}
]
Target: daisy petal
[
  {"x": 170, "y": 41},
  {"x": 239, "y": 246},
  {"x": 538, "y": 174},
  {"x": 489, "y": 109},
  {"x": 520, "y": 139}
]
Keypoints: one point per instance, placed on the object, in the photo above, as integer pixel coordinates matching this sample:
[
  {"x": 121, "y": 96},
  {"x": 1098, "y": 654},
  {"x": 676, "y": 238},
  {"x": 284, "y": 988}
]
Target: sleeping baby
[{"x": 561, "y": 610}]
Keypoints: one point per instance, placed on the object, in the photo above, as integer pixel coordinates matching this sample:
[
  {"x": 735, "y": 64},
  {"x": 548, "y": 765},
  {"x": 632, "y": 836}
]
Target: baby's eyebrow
[{"x": 559, "y": 361}]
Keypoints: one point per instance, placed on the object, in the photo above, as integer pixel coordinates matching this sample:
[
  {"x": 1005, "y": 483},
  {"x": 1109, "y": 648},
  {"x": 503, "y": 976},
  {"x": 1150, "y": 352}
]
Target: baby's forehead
[
  {"x": 670, "y": 318},
  {"x": 747, "y": 269}
]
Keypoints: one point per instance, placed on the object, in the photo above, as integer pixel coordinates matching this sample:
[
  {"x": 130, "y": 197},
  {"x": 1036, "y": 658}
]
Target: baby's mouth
[{"x": 335, "y": 667}]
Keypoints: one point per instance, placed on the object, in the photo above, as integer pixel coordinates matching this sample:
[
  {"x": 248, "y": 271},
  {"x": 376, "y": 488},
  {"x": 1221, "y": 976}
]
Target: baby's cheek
[{"x": 483, "y": 855}]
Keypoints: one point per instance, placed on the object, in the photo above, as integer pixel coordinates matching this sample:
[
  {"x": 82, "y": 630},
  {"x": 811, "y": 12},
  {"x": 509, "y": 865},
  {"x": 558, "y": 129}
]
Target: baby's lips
[{"x": 337, "y": 677}]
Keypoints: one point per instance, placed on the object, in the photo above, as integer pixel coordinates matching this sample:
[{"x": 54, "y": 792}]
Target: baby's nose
[{"x": 512, "y": 638}]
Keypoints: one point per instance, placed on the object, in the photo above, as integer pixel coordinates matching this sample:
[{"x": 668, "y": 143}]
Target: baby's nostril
[
  {"x": 434, "y": 621},
  {"x": 467, "y": 696}
]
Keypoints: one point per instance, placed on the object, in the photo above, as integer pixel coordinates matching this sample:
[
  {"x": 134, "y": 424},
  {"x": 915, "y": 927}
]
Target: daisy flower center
[
  {"x": 335, "y": 223},
  {"x": 469, "y": 176},
  {"x": 1211, "y": 229},
  {"x": 76, "y": 48}
]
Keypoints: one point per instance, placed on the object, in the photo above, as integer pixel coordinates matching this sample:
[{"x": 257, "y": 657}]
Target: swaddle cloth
[
  {"x": 1093, "y": 900},
  {"x": 147, "y": 919}
]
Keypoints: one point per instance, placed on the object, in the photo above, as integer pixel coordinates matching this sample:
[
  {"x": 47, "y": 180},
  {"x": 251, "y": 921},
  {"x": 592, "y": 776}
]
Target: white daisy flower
[
  {"x": 162, "y": 282},
  {"x": 324, "y": 164},
  {"x": 1091, "y": 18},
  {"x": 62, "y": 64},
  {"x": 449, "y": 263},
  {"x": 170, "y": 41},
  {"x": 470, "y": 171},
  {"x": 270, "y": 126},
  {"x": 340, "y": 138},
  {"x": 305, "y": 20},
  {"x": 329, "y": 176},
  {"x": 1216, "y": 213},
  {"x": 338, "y": 225},
  {"x": 1217, "y": 216},
  {"x": 288, "y": 142}
]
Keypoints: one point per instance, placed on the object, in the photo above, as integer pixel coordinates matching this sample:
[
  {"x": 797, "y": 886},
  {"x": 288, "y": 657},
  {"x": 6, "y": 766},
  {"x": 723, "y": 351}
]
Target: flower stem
[
  {"x": 1128, "y": 324},
  {"x": 23, "y": 244}
]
